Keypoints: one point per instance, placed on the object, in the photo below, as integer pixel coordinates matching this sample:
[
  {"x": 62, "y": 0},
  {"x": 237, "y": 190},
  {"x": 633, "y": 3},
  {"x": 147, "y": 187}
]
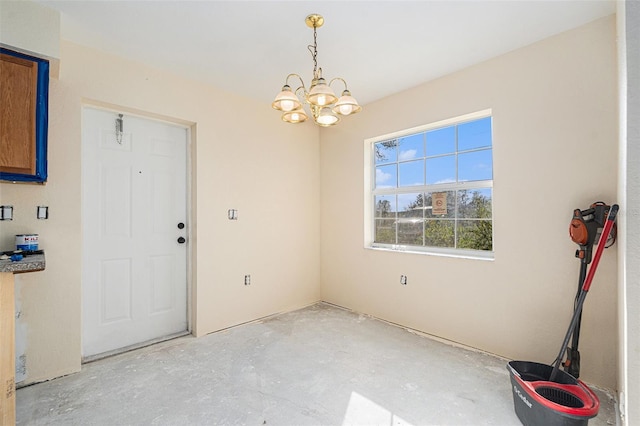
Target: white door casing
[{"x": 134, "y": 195}]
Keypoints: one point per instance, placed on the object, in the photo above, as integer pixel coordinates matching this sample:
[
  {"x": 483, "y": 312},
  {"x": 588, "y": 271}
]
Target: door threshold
[{"x": 91, "y": 358}]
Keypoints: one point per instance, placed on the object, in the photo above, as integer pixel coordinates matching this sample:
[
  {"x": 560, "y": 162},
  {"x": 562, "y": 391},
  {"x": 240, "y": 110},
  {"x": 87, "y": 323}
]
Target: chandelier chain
[{"x": 314, "y": 52}]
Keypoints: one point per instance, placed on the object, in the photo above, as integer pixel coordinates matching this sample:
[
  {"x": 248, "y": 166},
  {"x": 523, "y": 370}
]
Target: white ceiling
[{"x": 378, "y": 47}]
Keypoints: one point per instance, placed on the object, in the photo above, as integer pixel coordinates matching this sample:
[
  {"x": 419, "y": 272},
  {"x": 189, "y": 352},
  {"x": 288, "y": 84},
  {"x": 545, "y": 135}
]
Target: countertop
[{"x": 29, "y": 263}]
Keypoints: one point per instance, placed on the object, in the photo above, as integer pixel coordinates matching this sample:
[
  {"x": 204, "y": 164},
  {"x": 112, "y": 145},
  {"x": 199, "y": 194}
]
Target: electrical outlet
[
  {"x": 247, "y": 280},
  {"x": 403, "y": 279}
]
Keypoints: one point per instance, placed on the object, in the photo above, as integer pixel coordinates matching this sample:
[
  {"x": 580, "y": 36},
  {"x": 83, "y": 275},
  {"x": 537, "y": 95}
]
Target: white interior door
[{"x": 134, "y": 275}]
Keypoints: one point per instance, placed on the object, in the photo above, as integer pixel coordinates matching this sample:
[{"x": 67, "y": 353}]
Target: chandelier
[{"x": 326, "y": 108}]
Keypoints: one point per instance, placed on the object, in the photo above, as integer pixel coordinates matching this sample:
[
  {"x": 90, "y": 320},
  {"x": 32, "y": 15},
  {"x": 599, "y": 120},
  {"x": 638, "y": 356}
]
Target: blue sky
[{"x": 429, "y": 157}]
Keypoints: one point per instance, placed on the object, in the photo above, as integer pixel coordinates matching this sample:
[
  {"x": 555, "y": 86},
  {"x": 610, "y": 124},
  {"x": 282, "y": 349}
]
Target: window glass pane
[
  {"x": 411, "y": 173},
  {"x": 410, "y": 231},
  {"x": 474, "y": 203},
  {"x": 475, "y": 234},
  {"x": 387, "y": 176},
  {"x": 411, "y": 147},
  {"x": 475, "y": 134},
  {"x": 385, "y": 152},
  {"x": 440, "y": 204},
  {"x": 477, "y": 165},
  {"x": 411, "y": 205},
  {"x": 385, "y": 206},
  {"x": 441, "y": 170},
  {"x": 441, "y": 141},
  {"x": 439, "y": 233},
  {"x": 385, "y": 231}
]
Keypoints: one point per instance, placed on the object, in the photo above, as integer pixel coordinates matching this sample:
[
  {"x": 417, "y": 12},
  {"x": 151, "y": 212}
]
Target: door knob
[
  {"x": 180, "y": 225},
  {"x": 181, "y": 240}
]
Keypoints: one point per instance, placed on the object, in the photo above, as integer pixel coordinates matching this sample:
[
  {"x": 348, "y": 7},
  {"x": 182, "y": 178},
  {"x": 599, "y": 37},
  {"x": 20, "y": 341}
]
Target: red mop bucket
[
  {"x": 566, "y": 401},
  {"x": 545, "y": 395}
]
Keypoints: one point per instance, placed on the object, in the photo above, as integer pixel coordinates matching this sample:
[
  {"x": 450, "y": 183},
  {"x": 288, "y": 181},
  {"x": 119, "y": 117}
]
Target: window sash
[
  {"x": 397, "y": 219},
  {"x": 441, "y": 187}
]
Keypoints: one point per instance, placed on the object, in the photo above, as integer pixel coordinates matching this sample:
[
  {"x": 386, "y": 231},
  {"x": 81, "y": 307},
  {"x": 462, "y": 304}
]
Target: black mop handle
[
  {"x": 603, "y": 242},
  {"x": 611, "y": 218}
]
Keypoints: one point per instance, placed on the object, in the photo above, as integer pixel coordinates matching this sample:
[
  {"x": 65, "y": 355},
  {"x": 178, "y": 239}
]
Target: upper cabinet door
[
  {"x": 18, "y": 82},
  {"x": 24, "y": 86}
]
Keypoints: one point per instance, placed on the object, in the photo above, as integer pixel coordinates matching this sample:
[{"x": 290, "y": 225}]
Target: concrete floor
[{"x": 317, "y": 366}]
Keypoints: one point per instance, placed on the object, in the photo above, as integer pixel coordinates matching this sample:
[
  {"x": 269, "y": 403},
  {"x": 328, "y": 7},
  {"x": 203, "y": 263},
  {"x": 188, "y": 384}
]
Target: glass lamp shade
[
  {"x": 321, "y": 94},
  {"x": 286, "y": 100},
  {"x": 326, "y": 117},
  {"x": 346, "y": 104},
  {"x": 296, "y": 116}
]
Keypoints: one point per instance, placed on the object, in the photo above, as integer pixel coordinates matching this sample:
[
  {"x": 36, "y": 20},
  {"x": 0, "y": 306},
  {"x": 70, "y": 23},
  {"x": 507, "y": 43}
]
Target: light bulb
[
  {"x": 326, "y": 118},
  {"x": 346, "y": 105},
  {"x": 322, "y": 100},
  {"x": 295, "y": 116},
  {"x": 287, "y": 105},
  {"x": 346, "y": 109}
]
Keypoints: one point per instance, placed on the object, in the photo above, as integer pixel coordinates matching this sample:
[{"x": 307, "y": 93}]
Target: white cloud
[
  {"x": 448, "y": 180},
  {"x": 407, "y": 155},
  {"x": 381, "y": 177}
]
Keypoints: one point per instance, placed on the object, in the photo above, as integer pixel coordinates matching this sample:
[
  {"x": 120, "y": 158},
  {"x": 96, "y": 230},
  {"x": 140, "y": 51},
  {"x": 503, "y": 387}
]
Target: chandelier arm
[
  {"x": 341, "y": 79},
  {"x": 286, "y": 81},
  {"x": 302, "y": 86},
  {"x": 304, "y": 92}
]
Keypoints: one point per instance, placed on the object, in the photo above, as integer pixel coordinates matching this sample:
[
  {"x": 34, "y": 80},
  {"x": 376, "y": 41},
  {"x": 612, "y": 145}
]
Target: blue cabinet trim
[{"x": 42, "y": 113}]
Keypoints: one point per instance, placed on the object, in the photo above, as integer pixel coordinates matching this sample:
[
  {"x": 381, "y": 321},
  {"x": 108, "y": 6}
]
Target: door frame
[{"x": 190, "y": 208}]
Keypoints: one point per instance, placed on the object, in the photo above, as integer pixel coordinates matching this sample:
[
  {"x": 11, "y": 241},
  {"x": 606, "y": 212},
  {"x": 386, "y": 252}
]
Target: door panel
[
  {"x": 134, "y": 195},
  {"x": 116, "y": 214},
  {"x": 162, "y": 291},
  {"x": 115, "y": 291}
]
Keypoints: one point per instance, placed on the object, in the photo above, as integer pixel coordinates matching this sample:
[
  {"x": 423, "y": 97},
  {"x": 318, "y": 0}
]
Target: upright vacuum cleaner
[
  {"x": 584, "y": 231},
  {"x": 544, "y": 394}
]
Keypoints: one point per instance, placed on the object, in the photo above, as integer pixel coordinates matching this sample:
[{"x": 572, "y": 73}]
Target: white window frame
[{"x": 370, "y": 193}]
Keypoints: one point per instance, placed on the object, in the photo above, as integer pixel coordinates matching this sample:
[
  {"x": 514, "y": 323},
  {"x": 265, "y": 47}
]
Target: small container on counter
[{"x": 27, "y": 242}]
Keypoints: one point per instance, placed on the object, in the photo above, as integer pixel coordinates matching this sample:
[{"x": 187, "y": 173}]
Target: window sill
[{"x": 460, "y": 254}]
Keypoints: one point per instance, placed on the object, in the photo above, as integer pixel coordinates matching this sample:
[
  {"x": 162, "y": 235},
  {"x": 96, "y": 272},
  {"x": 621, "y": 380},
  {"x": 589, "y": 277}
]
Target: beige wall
[
  {"x": 555, "y": 149},
  {"x": 245, "y": 158},
  {"x": 33, "y": 29}
]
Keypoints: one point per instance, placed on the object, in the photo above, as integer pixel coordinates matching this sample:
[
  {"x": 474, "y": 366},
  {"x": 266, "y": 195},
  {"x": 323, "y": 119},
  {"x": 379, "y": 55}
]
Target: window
[{"x": 431, "y": 188}]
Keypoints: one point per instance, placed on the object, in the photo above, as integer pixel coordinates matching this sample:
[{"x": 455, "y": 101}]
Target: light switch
[
  {"x": 42, "y": 212},
  {"x": 6, "y": 212},
  {"x": 233, "y": 214}
]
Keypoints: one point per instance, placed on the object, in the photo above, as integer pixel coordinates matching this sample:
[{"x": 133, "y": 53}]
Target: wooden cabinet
[
  {"x": 18, "y": 82},
  {"x": 24, "y": 82},
  {"x": 31, "y": 263},
  {"x": 7, "y": 354}
]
